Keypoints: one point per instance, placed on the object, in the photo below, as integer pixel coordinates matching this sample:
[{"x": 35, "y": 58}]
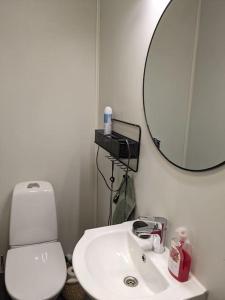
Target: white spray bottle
[{"x": 108, "y": 120}]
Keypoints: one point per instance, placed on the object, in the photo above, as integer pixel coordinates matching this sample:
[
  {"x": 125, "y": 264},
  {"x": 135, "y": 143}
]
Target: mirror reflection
[{"x": 184, "y": 84}]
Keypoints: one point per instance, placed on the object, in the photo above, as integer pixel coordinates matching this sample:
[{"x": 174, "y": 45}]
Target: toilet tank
[{"x": 33, "y": 214}]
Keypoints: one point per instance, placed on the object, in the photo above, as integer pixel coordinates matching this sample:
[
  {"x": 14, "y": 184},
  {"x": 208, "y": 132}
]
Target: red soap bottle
[{"x": 179, "y": 264}]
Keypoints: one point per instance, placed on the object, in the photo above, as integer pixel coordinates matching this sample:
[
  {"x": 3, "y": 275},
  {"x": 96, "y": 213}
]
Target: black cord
[
  {"x": 112, "y": 178},
  {"x": 127, "y": 170},
  {"x": 129, "y": 155}
]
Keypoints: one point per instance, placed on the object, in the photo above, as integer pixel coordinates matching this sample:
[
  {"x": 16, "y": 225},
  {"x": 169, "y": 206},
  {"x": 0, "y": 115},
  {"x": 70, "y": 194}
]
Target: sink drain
[{"x": 130, "y": 281}]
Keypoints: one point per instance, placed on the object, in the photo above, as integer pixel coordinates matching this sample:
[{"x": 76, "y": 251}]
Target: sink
[{"x": 112, "y": 263}]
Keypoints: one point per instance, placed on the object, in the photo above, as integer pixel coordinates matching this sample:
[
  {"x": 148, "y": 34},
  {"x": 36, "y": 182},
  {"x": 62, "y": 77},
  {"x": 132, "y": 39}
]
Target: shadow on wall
[
  {"x": 4, "y": 225},
  {"x": 67, "y": 196},
  {"x": 75, "y": 200},
  {"x": 87, "y": 197}
]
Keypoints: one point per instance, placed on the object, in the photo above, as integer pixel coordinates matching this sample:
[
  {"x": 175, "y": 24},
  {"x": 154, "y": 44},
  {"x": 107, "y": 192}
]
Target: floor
[{"x": 3, "y": 293}]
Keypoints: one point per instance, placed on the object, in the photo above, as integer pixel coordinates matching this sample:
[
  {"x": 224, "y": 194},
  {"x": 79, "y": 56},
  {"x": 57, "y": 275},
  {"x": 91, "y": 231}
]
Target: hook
[
  {"x": 123, "y": 168},
  {"x": 121, "y": 165}
]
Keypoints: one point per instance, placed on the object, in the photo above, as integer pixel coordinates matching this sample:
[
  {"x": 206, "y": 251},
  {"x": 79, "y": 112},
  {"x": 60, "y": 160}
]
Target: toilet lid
[{"x": 35, "y": 272}]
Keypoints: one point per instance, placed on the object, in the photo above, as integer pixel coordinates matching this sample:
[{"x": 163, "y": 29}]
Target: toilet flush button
[{"x": 32, "y": 185}]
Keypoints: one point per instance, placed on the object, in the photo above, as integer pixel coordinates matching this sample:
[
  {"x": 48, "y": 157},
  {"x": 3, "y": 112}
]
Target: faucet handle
[
  {"x": 153, "y": 222},
  {"x": 144, "y": 229},
  {"x": 161, "y": 220},
  {"x": 145, "y": 218}
]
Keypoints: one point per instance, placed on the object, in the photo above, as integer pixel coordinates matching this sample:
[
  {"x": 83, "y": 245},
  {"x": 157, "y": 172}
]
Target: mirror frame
[{"x": 143, "y": 96}]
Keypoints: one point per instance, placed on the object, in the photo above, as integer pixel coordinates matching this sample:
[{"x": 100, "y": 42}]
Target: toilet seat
[{"x": 35, "y": 272}]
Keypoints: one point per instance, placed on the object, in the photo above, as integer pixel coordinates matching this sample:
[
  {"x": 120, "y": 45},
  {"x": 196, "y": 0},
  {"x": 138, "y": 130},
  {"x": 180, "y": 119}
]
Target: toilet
[{"x": 35, "y": 263}]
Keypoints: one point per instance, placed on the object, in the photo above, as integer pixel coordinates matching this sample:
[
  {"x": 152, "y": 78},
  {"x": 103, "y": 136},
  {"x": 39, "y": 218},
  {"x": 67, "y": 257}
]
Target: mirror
[{"x": 184, "y": 84}]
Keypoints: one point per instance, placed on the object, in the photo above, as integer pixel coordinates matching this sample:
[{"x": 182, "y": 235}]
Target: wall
[
  {"x": 48, "y": 107},
  {"x": 196, "y": 200},
  {"x": 206, "y": 145},
  {"x": 167, "y": 96}
]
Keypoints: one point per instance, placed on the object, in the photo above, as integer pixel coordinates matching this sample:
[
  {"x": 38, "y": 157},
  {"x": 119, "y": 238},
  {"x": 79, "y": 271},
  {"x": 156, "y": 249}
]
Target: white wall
[
  {"x": 194, "y": 200},
  {"x": 48, "y": 106}
]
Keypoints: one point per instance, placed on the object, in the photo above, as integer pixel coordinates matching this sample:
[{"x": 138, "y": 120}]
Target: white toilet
[{"x": 35, "y": 263}]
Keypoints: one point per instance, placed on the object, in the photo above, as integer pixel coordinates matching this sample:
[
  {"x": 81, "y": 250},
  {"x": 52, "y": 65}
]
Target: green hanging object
[{"x": 125, "y": 202}]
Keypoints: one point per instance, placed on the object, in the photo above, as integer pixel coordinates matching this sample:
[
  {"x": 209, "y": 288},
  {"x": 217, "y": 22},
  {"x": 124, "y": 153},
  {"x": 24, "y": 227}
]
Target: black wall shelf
[{"x": 116, "y": 144}]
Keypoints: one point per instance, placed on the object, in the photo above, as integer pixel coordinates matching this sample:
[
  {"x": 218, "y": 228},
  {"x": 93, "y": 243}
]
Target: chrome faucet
[{"x": 153, "y": 228}]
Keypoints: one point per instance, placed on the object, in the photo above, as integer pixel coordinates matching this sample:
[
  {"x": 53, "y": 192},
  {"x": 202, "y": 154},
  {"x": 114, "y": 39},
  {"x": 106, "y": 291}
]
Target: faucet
[{"x": 153, "y": 228}]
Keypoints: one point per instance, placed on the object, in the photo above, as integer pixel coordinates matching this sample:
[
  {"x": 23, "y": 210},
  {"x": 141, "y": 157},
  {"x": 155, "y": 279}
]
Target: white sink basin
[{"x": 105, "y": 256}]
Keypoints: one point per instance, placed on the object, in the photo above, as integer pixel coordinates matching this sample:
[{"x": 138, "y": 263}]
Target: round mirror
[{"x": 184, "y": 84}]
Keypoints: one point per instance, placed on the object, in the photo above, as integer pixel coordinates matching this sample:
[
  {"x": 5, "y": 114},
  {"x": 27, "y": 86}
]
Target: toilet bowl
[{"x": 35, "y": 263}]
